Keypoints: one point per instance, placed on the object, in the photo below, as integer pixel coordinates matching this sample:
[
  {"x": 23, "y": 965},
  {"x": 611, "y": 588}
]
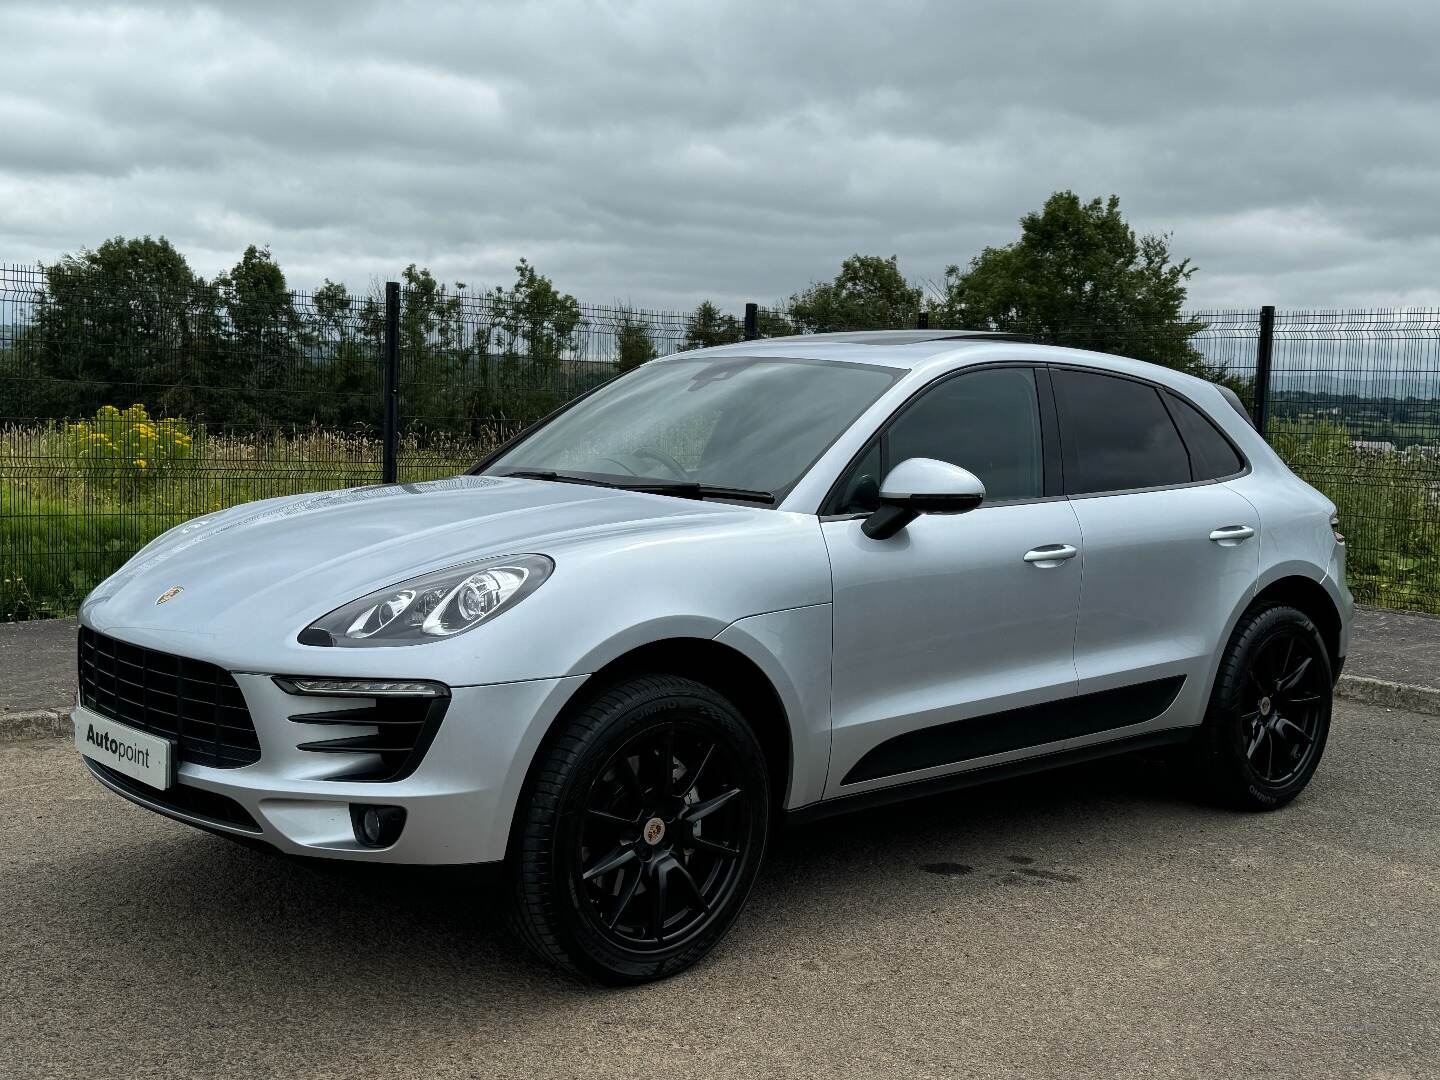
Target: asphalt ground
[{"x": 1092, "y": 922}]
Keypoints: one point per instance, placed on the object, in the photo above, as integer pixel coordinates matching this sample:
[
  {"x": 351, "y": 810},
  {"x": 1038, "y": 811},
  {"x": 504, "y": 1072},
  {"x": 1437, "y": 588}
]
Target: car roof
[
  {"x": 925, "y": 353},
  {"x": 902, "y": 337},
  {"x": 882, "y": 348}
]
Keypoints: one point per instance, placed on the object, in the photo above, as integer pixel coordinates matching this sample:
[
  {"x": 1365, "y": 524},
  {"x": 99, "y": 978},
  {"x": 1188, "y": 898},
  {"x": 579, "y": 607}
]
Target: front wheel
[
  {"x": 1269, "y": 713},
  {"x": 642, "y": 832}
]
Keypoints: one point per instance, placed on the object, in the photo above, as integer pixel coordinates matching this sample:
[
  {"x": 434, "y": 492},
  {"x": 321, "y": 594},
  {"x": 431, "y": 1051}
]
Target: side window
[
  {"x": 1211, "y": 455},
  {"x": 987, "y": 421},
  {"x": 1117, "y": 434}
]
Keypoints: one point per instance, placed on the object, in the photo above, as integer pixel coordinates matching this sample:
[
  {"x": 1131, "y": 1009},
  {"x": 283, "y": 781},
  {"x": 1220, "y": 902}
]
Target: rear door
[{"x": 1169, "y": 550}]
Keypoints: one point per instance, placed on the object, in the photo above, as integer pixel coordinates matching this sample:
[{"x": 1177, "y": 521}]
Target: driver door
[{"x": 954, "y": 640}]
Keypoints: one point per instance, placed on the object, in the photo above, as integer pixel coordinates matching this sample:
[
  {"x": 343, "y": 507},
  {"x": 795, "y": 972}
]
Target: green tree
[
  {"x": 534, "y": 324},
  {"x": 263, "y": 347},
  {"x": 633, "y": 344},
  {"x": 340, "y": 339},
  {"x": 442, "y": 362},
  {"x": 708, "y": 326},
  {"x": 258, "y": 301},
  {"x": 869, "y": 293},
  {"x": 1079, "y": 276},
  {"x": 535, "y": 319},
  {"x": 126, "y": 320}
]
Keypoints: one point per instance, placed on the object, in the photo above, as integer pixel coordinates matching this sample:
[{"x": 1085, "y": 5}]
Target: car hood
[{"x": 292, "y": 559}]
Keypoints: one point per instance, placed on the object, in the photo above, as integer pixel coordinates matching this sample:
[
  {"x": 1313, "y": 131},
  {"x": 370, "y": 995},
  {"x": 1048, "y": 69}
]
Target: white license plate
[{"x": 148, "y": 758}]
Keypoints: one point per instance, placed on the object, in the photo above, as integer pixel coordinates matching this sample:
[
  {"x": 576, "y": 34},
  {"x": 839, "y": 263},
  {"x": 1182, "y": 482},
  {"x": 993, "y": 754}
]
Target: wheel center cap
[
  {"x": 654, "y": 831},
  {"x": 1265, "y": 705}
]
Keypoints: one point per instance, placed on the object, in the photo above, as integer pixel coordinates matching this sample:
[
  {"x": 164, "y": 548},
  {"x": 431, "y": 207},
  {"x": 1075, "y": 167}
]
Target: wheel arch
[
  {"x": 1309, "y": 596},
  {"x": 724, "y": 669},
  {"x": 1296, "y": 584}
]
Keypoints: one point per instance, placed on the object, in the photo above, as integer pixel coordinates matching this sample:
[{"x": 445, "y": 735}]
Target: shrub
[
  {"x": 128, "y": 446},
  {"x": 1389, "y": 506},
  {"x": 53, "y": 554}
]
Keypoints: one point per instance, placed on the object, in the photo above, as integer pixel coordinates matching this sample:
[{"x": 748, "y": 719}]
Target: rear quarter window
[{"x": 1211, "y": 454}]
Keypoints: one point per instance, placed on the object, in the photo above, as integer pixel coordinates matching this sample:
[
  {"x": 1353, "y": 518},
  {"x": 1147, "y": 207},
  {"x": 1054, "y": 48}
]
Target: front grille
[{"x": 197, "y": 704}]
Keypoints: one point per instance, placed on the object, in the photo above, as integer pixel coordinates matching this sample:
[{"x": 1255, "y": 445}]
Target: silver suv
[{"x": 762, "y": 582}]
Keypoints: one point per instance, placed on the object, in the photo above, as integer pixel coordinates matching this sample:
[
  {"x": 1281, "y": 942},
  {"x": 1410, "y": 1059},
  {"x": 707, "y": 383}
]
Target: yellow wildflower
[{"x": 140, "y": 462}]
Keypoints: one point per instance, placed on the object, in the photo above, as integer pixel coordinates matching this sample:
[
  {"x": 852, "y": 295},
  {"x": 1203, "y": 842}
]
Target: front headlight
[{"x": 436, "y": 605}]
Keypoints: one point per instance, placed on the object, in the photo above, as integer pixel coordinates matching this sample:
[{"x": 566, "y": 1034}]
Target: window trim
[
  {"x": 1162, "y": 390},
  {"x": 1049, "y": 441},
  {"x": 1052, "y": 438}
]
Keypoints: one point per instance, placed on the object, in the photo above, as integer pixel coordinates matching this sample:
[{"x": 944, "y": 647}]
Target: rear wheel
[
  {"x": 1269, "y": 713},
  {"x": 642, "y": 833}
]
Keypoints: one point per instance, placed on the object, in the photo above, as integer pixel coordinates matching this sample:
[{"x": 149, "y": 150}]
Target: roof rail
[{"x": 901, "y": 337}]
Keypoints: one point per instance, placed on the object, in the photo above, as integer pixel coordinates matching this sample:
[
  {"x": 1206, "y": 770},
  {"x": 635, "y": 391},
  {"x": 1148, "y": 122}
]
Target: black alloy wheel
[
  {"x": 1285, "y": 702},
  {"x": 642, "y": 832},
  {"x": 1269, "y": 714},
  {"x": 660, "y": 848}
]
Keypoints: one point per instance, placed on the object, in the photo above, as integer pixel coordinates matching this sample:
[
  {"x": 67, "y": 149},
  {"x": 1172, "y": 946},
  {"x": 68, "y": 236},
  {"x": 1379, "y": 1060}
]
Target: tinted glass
[
  {"x": 1211, "y": 455},
  {"x": 986, "y": 421},
  {"x": 739, "y": 422},
  {"x": 861, "y": 491},
  {"x": 1116, "y": 434}
]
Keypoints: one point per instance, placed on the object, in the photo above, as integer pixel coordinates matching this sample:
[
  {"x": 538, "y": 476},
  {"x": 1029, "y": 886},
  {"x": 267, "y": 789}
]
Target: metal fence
[
  {"x": 1352, "y": 403},
  {"x": 123, "y": 412}
]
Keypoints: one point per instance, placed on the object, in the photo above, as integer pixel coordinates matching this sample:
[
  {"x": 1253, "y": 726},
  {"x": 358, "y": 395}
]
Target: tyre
[
  {"x": 641, "y": 833},
  {"x": 1269, "y": 712}
]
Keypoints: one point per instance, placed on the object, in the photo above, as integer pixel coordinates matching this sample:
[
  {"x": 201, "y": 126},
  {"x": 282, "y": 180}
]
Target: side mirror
[{"x": 922, "y": 486}]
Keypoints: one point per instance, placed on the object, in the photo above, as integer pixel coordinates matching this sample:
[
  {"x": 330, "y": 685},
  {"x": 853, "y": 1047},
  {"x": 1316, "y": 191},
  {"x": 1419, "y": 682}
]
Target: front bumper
[{"x": 458, "y": 802}]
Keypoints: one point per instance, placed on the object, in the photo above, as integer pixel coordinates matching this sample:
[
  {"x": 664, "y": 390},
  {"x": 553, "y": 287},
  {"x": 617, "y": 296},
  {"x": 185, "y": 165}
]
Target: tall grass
[{"x": 64, "y": 527}]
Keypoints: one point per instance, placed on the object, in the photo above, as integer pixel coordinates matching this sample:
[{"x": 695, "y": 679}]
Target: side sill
[
  {"x": 1017, "y": 729},
  {"x": 918, "y": 789}
]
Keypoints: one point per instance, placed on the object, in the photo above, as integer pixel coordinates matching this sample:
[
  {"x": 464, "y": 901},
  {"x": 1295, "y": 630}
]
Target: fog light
[{"x": 377, "y": 826}]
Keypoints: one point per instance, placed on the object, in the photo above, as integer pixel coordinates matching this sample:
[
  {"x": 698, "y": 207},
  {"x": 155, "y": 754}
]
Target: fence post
[
  {"x": 1264, "y": 347},
  {"x": 389, "y": 418},
  {"x": 752, "y": 321},
  {"x": 922, "y": 321}
]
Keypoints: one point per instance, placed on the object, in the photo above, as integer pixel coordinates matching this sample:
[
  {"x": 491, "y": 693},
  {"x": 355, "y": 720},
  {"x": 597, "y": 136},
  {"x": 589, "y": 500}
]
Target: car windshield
[{"x": 718, "y": 427}]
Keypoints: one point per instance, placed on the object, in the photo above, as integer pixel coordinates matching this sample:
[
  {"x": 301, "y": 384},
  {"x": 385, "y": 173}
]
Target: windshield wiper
[
  {"x": 683, "y": 489},
  {"x": 689, "y": 489},
  {"x": 557, "y": 477}
]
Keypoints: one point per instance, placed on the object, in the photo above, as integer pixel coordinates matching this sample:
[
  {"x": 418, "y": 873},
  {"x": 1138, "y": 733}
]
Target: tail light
[{"x": 1335, "y": 528}]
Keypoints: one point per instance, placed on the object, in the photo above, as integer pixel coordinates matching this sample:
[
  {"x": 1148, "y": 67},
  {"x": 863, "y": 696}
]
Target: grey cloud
[{"x": 663, "y": 152}]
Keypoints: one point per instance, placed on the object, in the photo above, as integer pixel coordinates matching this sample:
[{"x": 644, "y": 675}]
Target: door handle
[
  {"x": 1051, "y": 555},
  {"x": 1230, "y": 535}
]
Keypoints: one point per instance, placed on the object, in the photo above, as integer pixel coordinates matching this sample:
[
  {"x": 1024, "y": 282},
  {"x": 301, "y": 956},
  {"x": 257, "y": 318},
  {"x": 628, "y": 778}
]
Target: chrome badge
[{"x": 168, "y": 595}]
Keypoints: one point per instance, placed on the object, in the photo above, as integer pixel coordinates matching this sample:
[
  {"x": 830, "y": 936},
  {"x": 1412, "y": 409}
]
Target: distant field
[{"x": 63, "y": 531}]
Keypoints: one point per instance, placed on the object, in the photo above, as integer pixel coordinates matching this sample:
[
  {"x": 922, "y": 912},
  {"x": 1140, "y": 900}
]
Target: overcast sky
[{"x": 658, "y": 153}]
